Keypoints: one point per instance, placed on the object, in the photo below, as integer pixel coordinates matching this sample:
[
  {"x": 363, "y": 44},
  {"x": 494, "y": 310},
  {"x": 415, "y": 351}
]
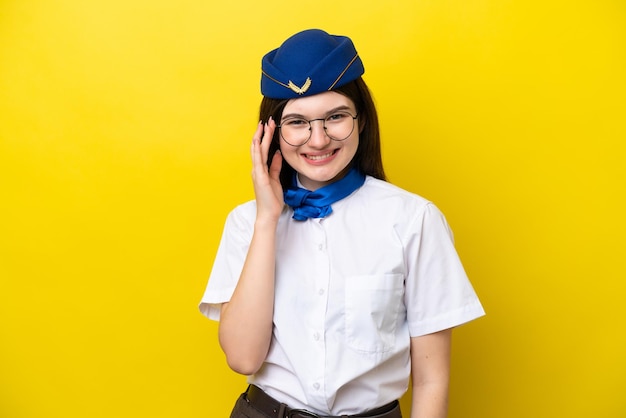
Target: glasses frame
[{"x": 311, "y": 128}]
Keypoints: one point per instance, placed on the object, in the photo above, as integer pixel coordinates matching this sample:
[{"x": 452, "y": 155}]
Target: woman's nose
[{"x": 319, "y": 138}]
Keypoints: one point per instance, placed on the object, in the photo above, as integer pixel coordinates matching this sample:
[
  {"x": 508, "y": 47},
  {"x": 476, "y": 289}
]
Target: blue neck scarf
[{"x": 307, "y": 204}]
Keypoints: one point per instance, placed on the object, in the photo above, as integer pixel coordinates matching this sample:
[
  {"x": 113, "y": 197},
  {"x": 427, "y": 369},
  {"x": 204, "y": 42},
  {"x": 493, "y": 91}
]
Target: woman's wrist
[{"x": 266, "y": 223}]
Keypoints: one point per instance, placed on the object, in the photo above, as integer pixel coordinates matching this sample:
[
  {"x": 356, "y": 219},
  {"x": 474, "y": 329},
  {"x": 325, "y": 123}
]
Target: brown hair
[{"x": 368, "y": 157}]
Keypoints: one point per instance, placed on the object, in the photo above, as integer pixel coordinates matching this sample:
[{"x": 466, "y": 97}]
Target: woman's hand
[{"x": 267, "y": 187}]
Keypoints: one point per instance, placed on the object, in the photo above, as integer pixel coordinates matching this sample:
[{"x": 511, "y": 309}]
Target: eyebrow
[{"x": 329, "y": 112}]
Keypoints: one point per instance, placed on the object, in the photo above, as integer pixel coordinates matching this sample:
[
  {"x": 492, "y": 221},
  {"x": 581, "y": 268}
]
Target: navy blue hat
[{"x": 308, "y": 63}]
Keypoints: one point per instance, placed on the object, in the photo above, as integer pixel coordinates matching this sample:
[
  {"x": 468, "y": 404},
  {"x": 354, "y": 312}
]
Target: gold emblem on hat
[{"x": 300, "y": 90}]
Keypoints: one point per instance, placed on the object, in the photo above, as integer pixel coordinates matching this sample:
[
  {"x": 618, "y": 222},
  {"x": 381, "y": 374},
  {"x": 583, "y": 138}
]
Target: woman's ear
[{"x": 362, "y": 121}]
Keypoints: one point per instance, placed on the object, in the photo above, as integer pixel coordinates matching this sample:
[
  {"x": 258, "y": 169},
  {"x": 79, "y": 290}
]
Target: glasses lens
[
  {"x": 295, "y": 131},
  {"x": 339, "y": 126}
]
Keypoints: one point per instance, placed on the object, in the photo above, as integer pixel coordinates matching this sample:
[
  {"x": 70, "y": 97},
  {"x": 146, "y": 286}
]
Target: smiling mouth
[{"x": 320, "y": 157}]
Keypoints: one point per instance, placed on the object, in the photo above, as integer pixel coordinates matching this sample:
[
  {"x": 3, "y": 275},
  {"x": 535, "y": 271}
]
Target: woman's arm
[
  {"x": 430, "y": 372},
  {"x": 245, "y": 329}
]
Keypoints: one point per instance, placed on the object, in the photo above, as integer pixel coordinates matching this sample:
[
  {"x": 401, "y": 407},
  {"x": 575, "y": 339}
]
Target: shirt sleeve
[
  {"x": 229, "y": 260},
  {"x": 438, "y": 293}
]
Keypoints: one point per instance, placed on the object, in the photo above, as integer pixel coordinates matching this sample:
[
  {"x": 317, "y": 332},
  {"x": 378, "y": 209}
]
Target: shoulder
[
  {"x": 406, "y": 210},
  {"x": 388, "y": 194},
  {"x": 242, "y": 216}
]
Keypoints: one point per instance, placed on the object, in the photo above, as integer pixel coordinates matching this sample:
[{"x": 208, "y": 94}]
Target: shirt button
[
  {"x": 321, "y": 292},
  {"x": 316, "y": 336},
  {"x": 320, "y": 247},
  {"x": 316, "y": 386}
]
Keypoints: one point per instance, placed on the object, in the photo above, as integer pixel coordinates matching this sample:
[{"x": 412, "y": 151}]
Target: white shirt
[{"x": 350, "y": 291}]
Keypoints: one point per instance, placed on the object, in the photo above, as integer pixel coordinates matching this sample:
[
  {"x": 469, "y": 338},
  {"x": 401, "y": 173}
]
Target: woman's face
[{"x": 321, "y": 160}]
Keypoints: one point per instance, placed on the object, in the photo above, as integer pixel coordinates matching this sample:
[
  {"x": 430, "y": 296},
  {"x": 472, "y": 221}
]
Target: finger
[
  {"x": 256, "y": 138},
  {"x": 255, "y": 147},
  {"x": 275, "y": 166},
  {"x": 268, "y": 135}
]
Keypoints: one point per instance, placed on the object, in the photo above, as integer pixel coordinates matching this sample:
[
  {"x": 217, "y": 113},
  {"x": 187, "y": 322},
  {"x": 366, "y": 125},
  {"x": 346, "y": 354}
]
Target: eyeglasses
[{"x": 338, "y": 126}]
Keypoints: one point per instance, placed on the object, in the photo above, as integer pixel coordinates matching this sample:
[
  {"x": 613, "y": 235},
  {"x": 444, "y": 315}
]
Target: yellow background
[{"x": 124, "y": 137}]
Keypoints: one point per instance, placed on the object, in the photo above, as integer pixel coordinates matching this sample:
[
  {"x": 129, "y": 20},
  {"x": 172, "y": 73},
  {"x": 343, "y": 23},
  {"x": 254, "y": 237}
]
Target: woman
[{"x": 333, "y": 287}]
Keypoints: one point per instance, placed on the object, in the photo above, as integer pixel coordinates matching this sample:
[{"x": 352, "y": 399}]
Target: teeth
[{"x": 319, "y": 157}]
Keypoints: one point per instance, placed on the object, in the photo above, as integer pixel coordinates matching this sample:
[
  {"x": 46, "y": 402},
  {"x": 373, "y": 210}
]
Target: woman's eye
[
  {"x": 295, "y": 122},
  {"x": 336, "y": 117}
]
